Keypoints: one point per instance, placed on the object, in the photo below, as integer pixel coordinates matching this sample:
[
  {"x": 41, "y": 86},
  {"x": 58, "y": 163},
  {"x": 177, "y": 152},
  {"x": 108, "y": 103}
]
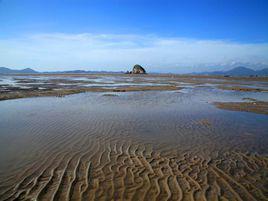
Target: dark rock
[{"x": 137, "y": 69}]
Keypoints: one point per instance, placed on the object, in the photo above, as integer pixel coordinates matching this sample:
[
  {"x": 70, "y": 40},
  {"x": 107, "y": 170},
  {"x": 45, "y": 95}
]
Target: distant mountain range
[
  {"x": 238, "y": 71},
  {"x": 4, "y": 70}
]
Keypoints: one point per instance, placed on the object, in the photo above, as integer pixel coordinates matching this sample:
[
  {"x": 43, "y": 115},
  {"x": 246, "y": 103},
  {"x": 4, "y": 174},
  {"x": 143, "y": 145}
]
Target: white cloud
[{"x": 59, "y": 51}]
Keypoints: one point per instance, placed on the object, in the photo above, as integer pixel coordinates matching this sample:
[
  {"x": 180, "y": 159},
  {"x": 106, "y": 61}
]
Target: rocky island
[{"x": 137, "y": 69}]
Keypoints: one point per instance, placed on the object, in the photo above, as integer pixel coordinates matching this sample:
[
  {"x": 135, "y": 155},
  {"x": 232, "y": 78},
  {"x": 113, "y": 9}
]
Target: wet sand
[
  {"x": 256, "y": 106},
  {"x": 139, "y": 145},
  {"x": 239, "y": 88},
  {"x": 15, "y": 94},
  {"x": 36, "y": 85}
]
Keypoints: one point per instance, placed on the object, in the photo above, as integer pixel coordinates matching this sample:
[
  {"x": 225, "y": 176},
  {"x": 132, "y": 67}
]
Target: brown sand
[
  {"x": 15, "y": 94},
  {"x": 246, "y": 89},
  {"x": 101, "y": 160},
  {"x": 259, "y": 107},
  {"x": 90, "y": 153},
  {"x": 125, "y": 170}
]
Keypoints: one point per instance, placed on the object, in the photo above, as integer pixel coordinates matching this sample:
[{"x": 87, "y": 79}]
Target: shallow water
[
  {"x": 133, "y": 146},
  {"x": 23, "y": 82}
]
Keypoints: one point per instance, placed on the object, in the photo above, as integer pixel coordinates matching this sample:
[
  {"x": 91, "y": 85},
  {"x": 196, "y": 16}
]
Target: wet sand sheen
[
  {"x": 136, "y": 146},
  {"x": 254, "y": 106}
]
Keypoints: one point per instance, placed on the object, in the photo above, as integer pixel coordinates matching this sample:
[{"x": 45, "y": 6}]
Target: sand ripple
[
  {"x": 114, "y": 169},
  {"x": 116, "y": 155}
]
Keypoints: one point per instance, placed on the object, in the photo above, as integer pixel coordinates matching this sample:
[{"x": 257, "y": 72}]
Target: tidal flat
[{"x": 127, "y": 137}]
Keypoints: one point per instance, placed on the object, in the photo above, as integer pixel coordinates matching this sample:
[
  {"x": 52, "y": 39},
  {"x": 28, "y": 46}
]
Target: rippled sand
[{"x": 134, "y": 146}]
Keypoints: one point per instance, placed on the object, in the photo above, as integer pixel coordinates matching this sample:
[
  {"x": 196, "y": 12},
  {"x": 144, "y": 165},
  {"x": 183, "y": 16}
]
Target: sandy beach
[
  {"x": 133, "y": 100},
  {"x": 133, "y": 138}
]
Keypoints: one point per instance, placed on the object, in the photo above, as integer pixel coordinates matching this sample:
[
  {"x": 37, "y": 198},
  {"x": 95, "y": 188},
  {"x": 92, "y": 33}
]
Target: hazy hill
[
  {"x": 4, "y": 70},
  {"x": 238, "y": 71}
]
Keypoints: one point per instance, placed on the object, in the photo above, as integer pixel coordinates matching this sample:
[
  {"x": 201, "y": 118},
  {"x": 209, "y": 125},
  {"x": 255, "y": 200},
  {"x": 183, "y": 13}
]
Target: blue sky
[{"x": 165, "y": 36}]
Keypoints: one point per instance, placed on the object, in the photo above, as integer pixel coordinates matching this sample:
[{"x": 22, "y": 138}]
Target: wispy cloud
[{"x": 57, "y": 51}]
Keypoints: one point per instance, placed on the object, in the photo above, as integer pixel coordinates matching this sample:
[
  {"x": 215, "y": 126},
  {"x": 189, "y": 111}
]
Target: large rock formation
[{"x": 137, "y": 69}]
